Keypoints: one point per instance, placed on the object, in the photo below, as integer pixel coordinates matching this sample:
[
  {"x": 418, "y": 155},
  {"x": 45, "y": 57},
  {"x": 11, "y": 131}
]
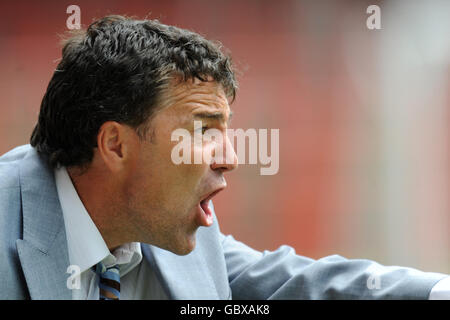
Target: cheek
[
  {"x": 160, "y": 183},
  {"x": 136, "y": 188},
  {"x": 142, "y": 179}
]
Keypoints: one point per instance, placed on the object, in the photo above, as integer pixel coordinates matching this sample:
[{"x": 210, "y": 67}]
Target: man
[{"x": 96, "y": 208}]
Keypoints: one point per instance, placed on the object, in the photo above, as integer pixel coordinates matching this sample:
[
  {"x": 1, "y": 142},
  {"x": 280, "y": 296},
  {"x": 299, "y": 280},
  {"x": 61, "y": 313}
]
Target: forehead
[{"x": 189, "y": 97}]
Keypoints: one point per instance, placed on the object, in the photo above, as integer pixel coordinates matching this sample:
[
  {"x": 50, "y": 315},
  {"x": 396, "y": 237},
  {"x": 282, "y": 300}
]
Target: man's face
[{"x": 166, "y": 201}]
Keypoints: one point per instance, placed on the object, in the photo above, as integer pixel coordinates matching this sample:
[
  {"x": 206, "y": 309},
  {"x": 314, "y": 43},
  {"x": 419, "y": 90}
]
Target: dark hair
[{"x": 115, "y": 71}]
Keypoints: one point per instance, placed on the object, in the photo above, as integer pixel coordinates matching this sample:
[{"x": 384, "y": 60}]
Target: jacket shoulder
[
  {"x": 9, "y": 166},
  {"x": 13, "y": 283}
]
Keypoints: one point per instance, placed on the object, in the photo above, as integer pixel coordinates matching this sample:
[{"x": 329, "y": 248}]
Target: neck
[{"x": 100, "y": 198}]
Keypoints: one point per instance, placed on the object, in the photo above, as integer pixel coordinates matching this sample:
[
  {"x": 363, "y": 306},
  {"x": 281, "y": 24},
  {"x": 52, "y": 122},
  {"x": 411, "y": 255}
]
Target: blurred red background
[{"x": 313, "y": 70}]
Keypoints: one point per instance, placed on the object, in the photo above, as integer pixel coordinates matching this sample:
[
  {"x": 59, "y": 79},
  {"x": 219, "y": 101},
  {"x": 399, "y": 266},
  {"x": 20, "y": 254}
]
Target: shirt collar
[{"x": 85, "y": 244}]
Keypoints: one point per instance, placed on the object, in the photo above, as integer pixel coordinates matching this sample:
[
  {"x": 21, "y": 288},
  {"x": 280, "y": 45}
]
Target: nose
[{"x": 228, "y": 160}]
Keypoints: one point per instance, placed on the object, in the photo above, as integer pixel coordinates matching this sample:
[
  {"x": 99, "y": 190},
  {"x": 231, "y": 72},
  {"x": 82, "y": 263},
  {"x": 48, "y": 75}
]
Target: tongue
[{"x": 205, "y": 206}]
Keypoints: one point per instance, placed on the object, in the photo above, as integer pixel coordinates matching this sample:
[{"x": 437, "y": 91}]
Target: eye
[{"x": 203, "y": 129}]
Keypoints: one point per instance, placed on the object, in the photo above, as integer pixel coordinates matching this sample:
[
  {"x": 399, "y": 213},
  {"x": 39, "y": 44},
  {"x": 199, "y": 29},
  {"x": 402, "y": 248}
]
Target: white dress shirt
[
  {"x": 86, "y": 248},
  {"x": 137, "y": 280}
]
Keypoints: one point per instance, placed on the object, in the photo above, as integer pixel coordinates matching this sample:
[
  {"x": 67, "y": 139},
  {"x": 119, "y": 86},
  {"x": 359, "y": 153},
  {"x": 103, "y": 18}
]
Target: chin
[
  {"x": 183, "y": 246},
  {"x": 183, "y": 252},
  {"x": 187, "y": 248}
]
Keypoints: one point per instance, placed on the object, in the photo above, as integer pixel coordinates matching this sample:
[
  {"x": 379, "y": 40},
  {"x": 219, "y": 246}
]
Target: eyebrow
[{"x": 213, "y": 115}]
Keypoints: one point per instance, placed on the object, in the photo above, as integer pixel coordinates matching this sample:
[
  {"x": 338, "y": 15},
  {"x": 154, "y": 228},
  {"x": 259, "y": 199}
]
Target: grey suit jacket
[{"x": 34, "y": 258}]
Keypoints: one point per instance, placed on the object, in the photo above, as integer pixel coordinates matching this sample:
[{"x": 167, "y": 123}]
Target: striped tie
[{"x": 109, "y": 283}]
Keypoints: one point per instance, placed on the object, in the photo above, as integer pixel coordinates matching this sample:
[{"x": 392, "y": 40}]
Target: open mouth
[{"x": 206, "y": 216}]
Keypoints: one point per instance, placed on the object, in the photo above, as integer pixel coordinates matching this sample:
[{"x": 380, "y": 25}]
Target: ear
[{"x": 114, "y": 143}]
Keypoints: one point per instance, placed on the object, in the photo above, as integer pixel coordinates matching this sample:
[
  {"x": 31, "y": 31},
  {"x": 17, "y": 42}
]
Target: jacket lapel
[{"x": 43, "y": 250}]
